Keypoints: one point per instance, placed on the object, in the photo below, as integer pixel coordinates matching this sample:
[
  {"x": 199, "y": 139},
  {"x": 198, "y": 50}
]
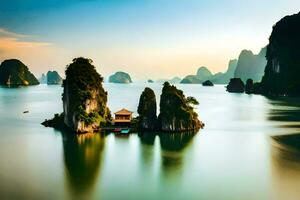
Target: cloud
[
  {"x": 6, "y": 33},
  {"x": 11, "y": 40},
  {"x": 34, "y": 54}
]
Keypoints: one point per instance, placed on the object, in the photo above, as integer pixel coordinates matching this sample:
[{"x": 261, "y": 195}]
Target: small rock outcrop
[
  {"x": 191, "y": 79},
  {"x": 14, "y": 73},
  {"x": 281, "y": 75},
  {"x": 177, "y": 111},
  {"x": 207, "y": 83},
  {"x": 236, "y": 85},
  {"x": 249, "y": 88},
  {"x": 53, "y": 78},
  {"x": 147, "y": 119},
  {"x": 120, "y": 77}
]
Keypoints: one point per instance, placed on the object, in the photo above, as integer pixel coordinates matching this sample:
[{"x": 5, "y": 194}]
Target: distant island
[
  {"x": 14, "y": 73},
  {"x": 43, "y": 79},
  {"x": 53, "y": 78},
  {"x": 120, "y": 77},
  {"x": 251, "y": 66},
  {"x": 247, "y": 66},
  {"x": 202, "y": 74},
  {"x": 173, "y": 80},
  {"x": 224, "y": 78},
  {"x": 191, "y": 79},
  {"x": 150, "y": 81},
  {"x": 280, "y": 77}
]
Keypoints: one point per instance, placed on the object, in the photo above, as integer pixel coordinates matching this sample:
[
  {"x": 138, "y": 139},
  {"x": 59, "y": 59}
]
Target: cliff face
[
  {"x": 84, "y": 99},
  {"x": 14, "y": 73},
  {"x": 147, "y": 119},
  {"x": 224, "y": 78},
  {"x": 176, "y": 111},
  {"x": 53, "y": 78},
  {"x": 250, "y": 65},
  {"x": 191, "y": 79},
  {"x": 203, "y": 73},
  {"x": 120, "y": 77},
  {"x": 283, "y": 55}
]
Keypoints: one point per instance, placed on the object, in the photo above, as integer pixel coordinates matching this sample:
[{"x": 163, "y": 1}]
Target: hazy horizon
[{"x": 148, "y": 39}]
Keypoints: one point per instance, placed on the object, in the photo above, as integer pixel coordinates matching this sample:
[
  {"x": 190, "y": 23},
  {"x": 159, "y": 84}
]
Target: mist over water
[{"x": 245, "y": 151}]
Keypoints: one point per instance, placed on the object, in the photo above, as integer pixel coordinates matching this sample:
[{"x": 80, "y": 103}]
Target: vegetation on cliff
[
  {"x": 14, "y": 73},
  {"x": 147, "y": 119},
  {"x": 177, "y": 111},
  {"x": 120, "y": 77},
  {"x": 84, "y": 99},
  {"x": 53, "y": 78},
  {"x": 283, "y": 59}
]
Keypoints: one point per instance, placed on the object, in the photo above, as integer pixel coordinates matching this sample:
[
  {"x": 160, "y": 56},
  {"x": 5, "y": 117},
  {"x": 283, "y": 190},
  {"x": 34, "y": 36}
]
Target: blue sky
[{"x": 147, "y": 38}]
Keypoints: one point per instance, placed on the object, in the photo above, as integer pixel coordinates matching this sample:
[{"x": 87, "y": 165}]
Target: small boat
[
  {"x": 26, "y": 111},
  {"x": 125, "y": 131},
  {"x": 117, "y": 130}
]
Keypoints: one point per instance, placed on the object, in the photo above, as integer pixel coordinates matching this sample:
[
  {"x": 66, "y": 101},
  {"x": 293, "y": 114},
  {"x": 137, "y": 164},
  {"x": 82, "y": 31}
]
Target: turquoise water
[{"x": 233, "y": 157}]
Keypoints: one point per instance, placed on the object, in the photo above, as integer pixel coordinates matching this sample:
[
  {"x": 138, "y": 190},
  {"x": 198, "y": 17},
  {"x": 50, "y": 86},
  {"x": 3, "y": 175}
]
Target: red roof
[{"x": 123, "y": 112}]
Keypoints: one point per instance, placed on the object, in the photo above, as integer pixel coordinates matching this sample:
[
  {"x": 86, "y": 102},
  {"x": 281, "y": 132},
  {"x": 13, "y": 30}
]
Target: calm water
[{"x": 236, "y": 156}]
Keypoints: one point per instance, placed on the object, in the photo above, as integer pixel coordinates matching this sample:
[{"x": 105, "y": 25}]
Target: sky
[{"x": 146, "y": 38}]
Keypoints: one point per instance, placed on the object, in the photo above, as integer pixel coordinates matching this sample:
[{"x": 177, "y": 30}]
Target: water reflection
[
  {"x": 285, "y": 110},
  {"x": 286, "y": 167},
  {"x": 147, "y": 138},
  {"x": 82, "y": 156},
  {"x": 170, "y": 147},
  {"x": 285, "y": 149},
  {"x": 175, "y": 141}
]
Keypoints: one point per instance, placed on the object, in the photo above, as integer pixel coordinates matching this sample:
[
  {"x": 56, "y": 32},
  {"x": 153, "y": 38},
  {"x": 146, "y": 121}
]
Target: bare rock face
[{"x": 84, "y": 99}]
